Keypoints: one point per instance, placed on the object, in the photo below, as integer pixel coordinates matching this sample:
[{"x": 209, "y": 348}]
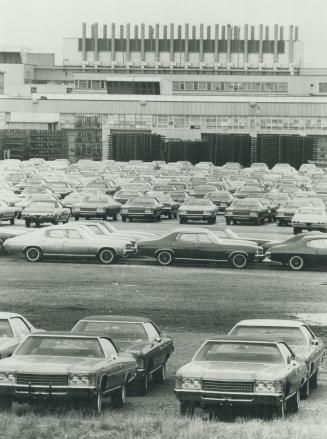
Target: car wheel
[
  {"x": 182, "y": 221},
  {"x": 96, "y": 403},
  {"x": 123, "y": 218},
  {"x": 227, "y": 221},
  {"x": 12, "y": 221},
  {"x": 169, "y": 215},
  {"x": 280, "y": 223},
  {"x": 296, "y": 230},
  {"x": 5, "y": 403},
  {"x": 141, "y": 385},
  {"x": 279, "y": 411},
  {"x": 239, "y": 260},
  {"x": 118, "y": 398},
  {"x": 305, "y": 389},
  {"x": 114, "y": 217},
  {"x": 294, "y": 402},
  {"x": 296, "y": 263},
  {"x": 165, "y": 257},
  {"x": 107, "y": 256},
  {"x": 55, "y": 222},
  {"x": 314, "y": 381},
  {"x": 76, "y": 217},
  {"x": 159, "y": 377},
  {"x": 27, "y": 224},
  {"x": 33, "y": 254},
  {"x": 187, "y": 408}
]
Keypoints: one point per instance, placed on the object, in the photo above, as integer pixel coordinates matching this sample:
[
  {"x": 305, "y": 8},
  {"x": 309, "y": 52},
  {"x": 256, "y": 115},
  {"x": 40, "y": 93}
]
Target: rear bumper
[
  {"x": 311, "y": 226},
  {"x": 40, "y": 218},
  {"x": 259, "y": 258}
]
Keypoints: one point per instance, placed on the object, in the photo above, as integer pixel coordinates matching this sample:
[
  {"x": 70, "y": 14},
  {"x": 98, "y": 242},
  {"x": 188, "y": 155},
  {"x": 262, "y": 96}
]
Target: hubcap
[
  {"x": 164, "y": 258},
  {"x": 296, "y": 262},
  {"x": 106, "y": 256},
  {"x": 33, "y": 254},
  {"x": 239, "y": 261},
  {"x": 99, "y": 402}
]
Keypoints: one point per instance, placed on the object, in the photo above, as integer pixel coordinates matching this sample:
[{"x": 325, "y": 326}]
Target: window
[
  {"x": 152, "y": 331},
  {"x": 56, "y": 234},
  {"x": 322, "y": 87},
  {"x": 33, "y": 89},
  {"x": 5, "y": 329},
  {"x": 204, "y": 239},
  {"x": 73, "y": 234},
  {"x": 108, "y": 348},
  {"x": 318, "y": 243},
  {"x": 187, "y": 238},
  {"x": 19, "y": 326}
]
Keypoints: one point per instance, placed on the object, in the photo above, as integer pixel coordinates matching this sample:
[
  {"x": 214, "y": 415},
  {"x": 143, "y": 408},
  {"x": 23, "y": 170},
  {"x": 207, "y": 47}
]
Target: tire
[
  {"x": 76, "y": 217},
  {"x": 27, "y": 224},
  {"x": 96, "y": 403},
  {"x": 305, "y": 389},
  {"x": 294, "y": 402},
  {"x": 141, "y": 385},
  {"x": 279, "y": 411},
  {"x": 107, "y": 256},
  {"x": 182, "y": 221},
  {"x": 296, "y": 263},
  {"x": 123, "y": 218},
  {"x": 234, "y": 222},
  {"x": 5, "y": 403},
  {"x": 33, "y": 254},
  {"x": 239, "y": 260},
  {"x": 12, "y": 221},
  {"x": 227, "y": 221},
  {"x": 118, "y": 398},
  {"x": 114, "y": 217},
  {"x": 55, "y": 222},
  {"x": 186, "y": 409},
  {"x": 280, "y": 223},
  {"x": 296, "y": 230},
  {"x": 169, "y": 215},
  {"x": 175, "y": 215},
  {"x": 314, "y": 380},
  {"x": 159, "y": 377},
  {"x": 164, "y": 257}
]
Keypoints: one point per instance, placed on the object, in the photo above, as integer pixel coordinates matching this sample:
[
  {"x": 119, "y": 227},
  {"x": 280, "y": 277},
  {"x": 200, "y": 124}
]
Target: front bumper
[
  {"x": 205, "y": 398},
  {"x": 39, "y": 218},
  {"x": 259, "y": 257},
  {"x": 197, "y": 216},
  {"x": 28, "y": 392},
  {"x": 129, "y": 252}
]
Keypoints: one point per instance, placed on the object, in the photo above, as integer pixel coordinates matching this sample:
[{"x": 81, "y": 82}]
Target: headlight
[
  {"x": 124, "y": 211},
  {"x": 253, "y": 213},
  {"x": 7, "y": 378},
  {"x": 100, "y": 209},
  {"x": 268, "y": 386},
  {"x": 188, "y": 383},
  {"x": 207, "y": 212},
  {"x": 182, "y": 212},
  {"x": 81, "y": 380}
]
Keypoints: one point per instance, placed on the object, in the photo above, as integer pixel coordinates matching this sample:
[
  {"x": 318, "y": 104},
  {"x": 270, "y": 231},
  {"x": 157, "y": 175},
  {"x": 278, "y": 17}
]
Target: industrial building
[{"x": 199, "y": 93}]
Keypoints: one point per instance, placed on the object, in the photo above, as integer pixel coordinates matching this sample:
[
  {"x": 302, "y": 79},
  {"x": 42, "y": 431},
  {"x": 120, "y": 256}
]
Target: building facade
[{"x": 217, "y": 93}]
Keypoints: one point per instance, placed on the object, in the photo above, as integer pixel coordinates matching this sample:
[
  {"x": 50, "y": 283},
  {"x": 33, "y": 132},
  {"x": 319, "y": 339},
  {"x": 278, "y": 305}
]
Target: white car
[{"x": 309, "y": 218}]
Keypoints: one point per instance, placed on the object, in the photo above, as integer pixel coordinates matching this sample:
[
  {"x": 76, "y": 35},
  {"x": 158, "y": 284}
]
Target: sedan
[
  {"x": 309, "y": 219},
  {"x": 141, "y": 207},
  {"x": 65, "y": 241},
  {"x": 7, "y": 213},
  {"x": 99, "y": 206},
  {"x": 221, "y": 199},
  {"x": 248, "y": 209},
  {"x": 235, "y": 371},
  {"x": 286, "y": 212},
  {"x": 66, "y": 366},
  {"x": 199, "y": 244},
  {"x": 309, "y": 250},
  {"x": 197, "y": 209},
  {"x": 13, "y": 330},
  {"x": 140, "y": 337},
  {"x": 40, "y": 212},
  {"x": 298, "y": 336}
]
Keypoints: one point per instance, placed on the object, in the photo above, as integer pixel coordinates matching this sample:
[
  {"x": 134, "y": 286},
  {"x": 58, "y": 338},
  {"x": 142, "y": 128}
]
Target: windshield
[
  {"x": 118, "y": 331},
  {"x": 292, "y": 336},
  {"x": 197, "y": 202},
  {"x": 311, "y": 211},
  {"x": 247, "y": 203},
  {"x": 61, "y": 347},
  {"x": 141, "y": 202},
  {"x": 5, "y": 329},
  {"x": 297, "y": 204},
  {"x": 42, "y": 205},
  {"x": 239, "y": 352}
]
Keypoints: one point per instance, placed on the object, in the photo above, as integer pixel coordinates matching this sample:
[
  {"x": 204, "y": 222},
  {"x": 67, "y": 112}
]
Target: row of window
[
  {"x": 215, "y": 86},
  {"x": 89, "y": 84}
]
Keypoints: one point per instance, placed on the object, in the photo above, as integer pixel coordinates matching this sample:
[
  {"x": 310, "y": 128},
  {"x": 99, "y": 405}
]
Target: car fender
[
  {"x": 164, "y": 249},
  {"x": 237, "y": 251}
]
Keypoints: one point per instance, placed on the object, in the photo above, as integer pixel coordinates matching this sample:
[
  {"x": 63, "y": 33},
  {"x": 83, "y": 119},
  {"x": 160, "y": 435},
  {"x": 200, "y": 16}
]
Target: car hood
[
  {"x": 135, "y": 348},
  {"x": 309, "y": 218},
  {"x": 48, "y": 364},
  {"x": 7, "y": 343},
  {"x": 198, "y": 207},
  {"x": 228, "y": 370}
]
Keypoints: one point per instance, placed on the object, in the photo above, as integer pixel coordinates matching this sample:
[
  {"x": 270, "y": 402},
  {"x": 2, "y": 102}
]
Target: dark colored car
[
  {"x": 221, "y": 199},
  {"x": 138, "y": 336},
  {"x": 246, "y": 210},
  {"x": 169, "y": 206},
  {"x": 141, "y": 207},
  {"x": 199, "y": 244},
  {"x": 96, "y": 207},
  {"x": 66, "y": 366},
  {"x": 308, "y": 250}
]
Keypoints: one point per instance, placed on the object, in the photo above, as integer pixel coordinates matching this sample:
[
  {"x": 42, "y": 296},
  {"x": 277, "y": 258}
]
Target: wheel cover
[
  {"x": 106, "y": 256},
  {"x": 33, "y": 254},
  {"x": 164, "y": 258},
  {"x": 239, "y": 260},
  {"x": 296, "y": 262},
  {"x": 99, "y": 402}
]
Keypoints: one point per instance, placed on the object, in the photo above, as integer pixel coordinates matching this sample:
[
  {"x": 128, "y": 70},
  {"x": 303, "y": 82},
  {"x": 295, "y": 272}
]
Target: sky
[{"x": 42, "y": 24}]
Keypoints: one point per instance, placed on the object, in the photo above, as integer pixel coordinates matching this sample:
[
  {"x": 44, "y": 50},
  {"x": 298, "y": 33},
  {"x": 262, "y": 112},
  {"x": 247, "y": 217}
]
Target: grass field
[{"x": 189, "y": 303}]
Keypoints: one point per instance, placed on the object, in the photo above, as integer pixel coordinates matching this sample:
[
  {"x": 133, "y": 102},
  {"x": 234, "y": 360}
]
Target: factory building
[{"x": 200, "y": 93}]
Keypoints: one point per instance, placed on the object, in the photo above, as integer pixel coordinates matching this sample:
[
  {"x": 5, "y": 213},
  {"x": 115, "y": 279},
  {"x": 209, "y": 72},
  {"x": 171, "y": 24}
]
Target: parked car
[
  {"x": 227, "y": 233},
  {"x": 65, "y": 241},
  {"x": 122, "y": 195},
  {"x": 241, "y": 371},
  {"x": 298, "y": 336},
  {"x": 13, "y": 330},
  {"x": 286, "y": 212},
  {"x": 199, "y": 244},
  {"x": 61, "y": 188},
  {"x": 99, "y": 206},
  {"x": 7, "y": 213},
  {"x": 247, "y": 209},
  {"x": 169, "y": 206},
  {"x": 197, "y": 209},
  {"x": 310, "y": 250},
  {"x": 309, "y": 218},
  {"x": 40, "y": 212},
  {"x": 178, "y": 196},
  {"x": 141, "y": 207},
  {"x": 140, "y": 337},
  {"x": 221, "y": 199},
  {"x": 11, "y": 232},
  {"x": 28, "y": 199},
  {"x": 66, "y": 366}
]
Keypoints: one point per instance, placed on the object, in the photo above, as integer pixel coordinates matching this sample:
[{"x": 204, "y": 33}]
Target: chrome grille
[
  {"x": 88, "y": 209},
  {"x": 227, "y": 386},
  {"x": 194, "y": 212},
  {"x": 137, "y": 210},
  {"x": 42, "y": 380},
  {"x": 241, "y": 212}
]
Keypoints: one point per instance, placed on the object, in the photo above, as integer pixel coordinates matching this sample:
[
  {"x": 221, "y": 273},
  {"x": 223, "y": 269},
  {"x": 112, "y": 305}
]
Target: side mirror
[
  {"x": 314, "y": 342},
  {"x": 294, "y": 363},
  {"x": 157, "y": 340}
]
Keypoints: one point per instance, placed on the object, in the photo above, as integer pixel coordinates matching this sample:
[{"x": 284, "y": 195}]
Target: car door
[
  {"x": 317, "y": 252},
  {"x": 316, "y": 348},
  {"x": 20, "y": 328},
  {"x": 294, "y": 373},
  {"x": 75, "y": 243},
  {"x": 53, "y": 241},
  {"x": 184, "y": 245},
  {"x": 158, "y": 353},
  {"x": 207, "y": 247},
  {"x": 115, "y": 370}
]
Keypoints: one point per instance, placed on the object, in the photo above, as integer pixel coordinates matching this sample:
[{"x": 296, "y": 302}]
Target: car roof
[
  {"x": 66, "y": 333},
  {"x": 271, "y": 322},
  {"x": 110, "y": 318},
  {"x": 244, "y": 339},
  {"x": 8, "y": 315}
]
